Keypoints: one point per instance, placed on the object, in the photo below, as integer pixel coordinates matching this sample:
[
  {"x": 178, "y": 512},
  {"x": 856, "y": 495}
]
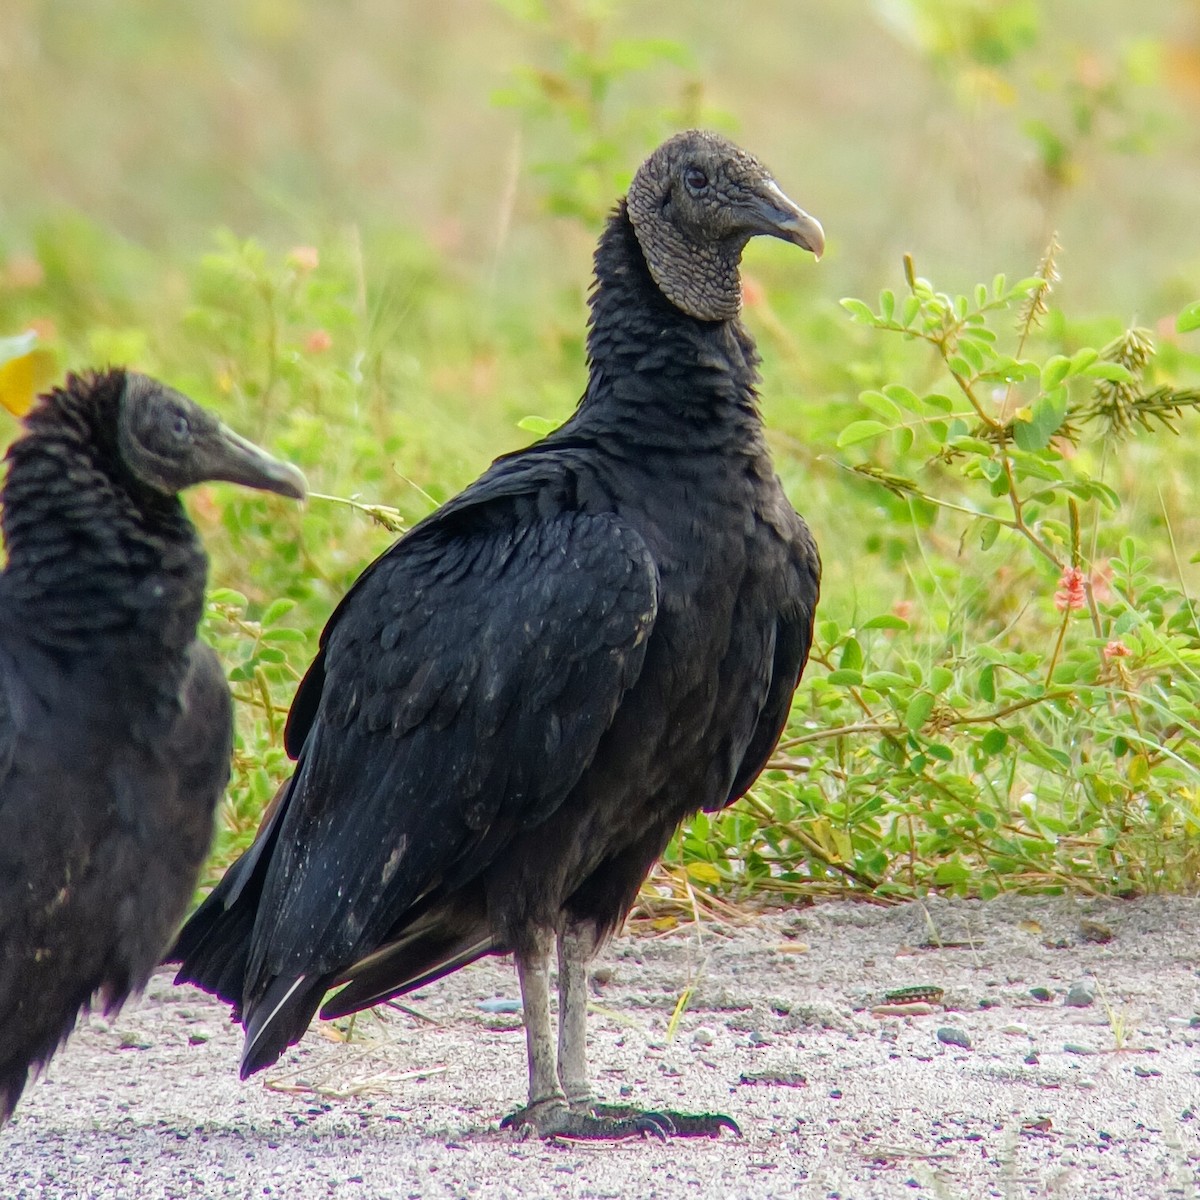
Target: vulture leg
[
  {"x": 561, "y": 1101},
  {"x": 547, "y": 1114},
  {"x": 576, "y": 945},
  {"x": 533, "y": 970}
]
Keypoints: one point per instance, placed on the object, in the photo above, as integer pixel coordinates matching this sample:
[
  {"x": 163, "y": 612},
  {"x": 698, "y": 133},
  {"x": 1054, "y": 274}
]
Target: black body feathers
[{"x": 115, "y": 725}]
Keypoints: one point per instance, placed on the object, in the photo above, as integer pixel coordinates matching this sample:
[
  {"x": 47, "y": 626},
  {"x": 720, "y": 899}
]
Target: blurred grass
[{"x": 163, "y": 170}]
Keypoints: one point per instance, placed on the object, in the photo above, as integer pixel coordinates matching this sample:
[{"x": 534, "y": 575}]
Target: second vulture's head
[
  {"x": 169, "y": 443},
  {"x": 694, "y": 204}
]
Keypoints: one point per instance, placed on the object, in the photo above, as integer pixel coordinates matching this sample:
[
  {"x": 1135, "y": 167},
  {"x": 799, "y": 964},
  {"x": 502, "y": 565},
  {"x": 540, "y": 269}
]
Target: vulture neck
[
  {"x": 658, "y": 376},
  {"x": 94, "y": 556}
]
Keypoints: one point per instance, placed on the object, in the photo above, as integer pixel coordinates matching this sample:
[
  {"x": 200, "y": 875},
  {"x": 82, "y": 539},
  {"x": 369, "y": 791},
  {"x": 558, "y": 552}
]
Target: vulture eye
[
  {"x": 180, "y": 428},
  {"x": 696, "y": 179}
]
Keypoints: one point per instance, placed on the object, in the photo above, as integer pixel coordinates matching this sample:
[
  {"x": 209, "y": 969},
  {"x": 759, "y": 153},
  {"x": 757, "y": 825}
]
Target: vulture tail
[{"x": 279, "y": 1019}]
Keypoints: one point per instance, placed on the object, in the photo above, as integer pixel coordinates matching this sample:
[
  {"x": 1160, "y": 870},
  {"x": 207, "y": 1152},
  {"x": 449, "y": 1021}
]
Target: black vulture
[
  {"x": 517, "y": 703},
  {"x": 115, "y": 721}
]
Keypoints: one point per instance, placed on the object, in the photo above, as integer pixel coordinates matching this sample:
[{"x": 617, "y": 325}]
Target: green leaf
[
  {"x": 284, "y": 634},
  {"x": 538, "y": 425},
  {"x": 994, "y": 741},
  {"x": 1189, "y": 319},
  {"x": 903, "y": 396},
  {"x": 1049, "y": 410},
  {"x": 951, "y": 872},
  {"x": 1108, "y": 370},
  {"x": 887, "y": 304},
  {"x": 886, "y": 681},
  {"x": 845, "y": 678},
  {"x": 879, "y": 404},
  {"x": 858, "y": 310},
  {"x": 1055, "y": 371},
  {"x": 228, "y": 598},
  {"x": 860, "y": 431},
  {"x": 885, "y": 621},
  {"x": 937, "y": 402},
  {"x": 919, "y": 709},
  {"x": 940, "y": 678},
  {"x": 987, "y": 683},
  {"x": 276, "y": 609},
  {"x": 852, "y": 656}
]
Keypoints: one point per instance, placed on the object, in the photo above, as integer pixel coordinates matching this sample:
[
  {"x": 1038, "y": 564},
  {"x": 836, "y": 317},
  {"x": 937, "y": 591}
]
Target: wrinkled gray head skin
[
  {"x": 169, "y": 443},
  {"x": 695, "y": 203}
]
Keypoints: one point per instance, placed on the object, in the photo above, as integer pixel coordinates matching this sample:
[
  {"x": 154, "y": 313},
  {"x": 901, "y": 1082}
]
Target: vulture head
[
  {"x": 170, "y": 443},
  {"x": 694, "y": 204}
]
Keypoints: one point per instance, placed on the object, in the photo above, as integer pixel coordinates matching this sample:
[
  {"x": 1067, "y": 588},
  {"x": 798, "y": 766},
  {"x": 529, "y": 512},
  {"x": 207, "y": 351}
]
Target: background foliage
[{"x": 362, "y": 231}]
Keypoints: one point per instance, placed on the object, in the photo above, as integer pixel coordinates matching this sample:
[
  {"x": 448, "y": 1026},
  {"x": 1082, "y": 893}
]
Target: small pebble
[
  {"x": 1032, "y": 1059},
  {"x": 1145, "y": 1072},
  {"x": 702, "y": 1037},
  {"x": 954, "y": 1037},
  {"x": 500, "y": 1005},
  {"x": 1095, "y": 931},
  {"x": 1015, "y": 1030},
  {"x": 1082, "y": 993},
  {"x": 1041, "y": 993},
  {"x": 1076, "y": 1048},
  {"x": 602, "y": 975}
]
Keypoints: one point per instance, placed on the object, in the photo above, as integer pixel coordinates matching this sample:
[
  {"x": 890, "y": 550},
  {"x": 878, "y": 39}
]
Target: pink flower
[
  {"x": 1070, "y": 594},
  {"x": 1116, "y": 649},
  {"x": 318, "y": 341},
  {"x": 304, "y": 258}
]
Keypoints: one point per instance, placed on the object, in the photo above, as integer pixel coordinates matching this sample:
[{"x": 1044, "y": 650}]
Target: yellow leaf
[
  {"x": 1139, "y": 770},
  {"x": 703, "y": 872},
  {"x": 23, "y": 377}
]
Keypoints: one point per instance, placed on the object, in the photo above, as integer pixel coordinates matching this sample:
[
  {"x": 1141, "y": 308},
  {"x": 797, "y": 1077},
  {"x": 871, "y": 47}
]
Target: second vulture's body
[{"x": 515, "y": 705}]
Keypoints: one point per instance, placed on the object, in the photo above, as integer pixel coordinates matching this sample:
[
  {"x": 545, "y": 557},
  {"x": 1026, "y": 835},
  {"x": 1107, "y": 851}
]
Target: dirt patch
[{"x": 989, "y": 1091}]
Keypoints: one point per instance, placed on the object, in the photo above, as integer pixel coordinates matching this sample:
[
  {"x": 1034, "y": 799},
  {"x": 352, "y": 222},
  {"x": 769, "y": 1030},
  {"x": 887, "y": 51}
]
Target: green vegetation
[{"x": 1005, "y": 686}]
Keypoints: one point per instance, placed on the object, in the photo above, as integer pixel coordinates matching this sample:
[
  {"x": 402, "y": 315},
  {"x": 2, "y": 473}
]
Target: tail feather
[
  {"x": 280, "y": 1019},
  {"x": 213, "y": 947},
  {"x": 12, "y": 1084},
  {"x": 449, "y": 933}
]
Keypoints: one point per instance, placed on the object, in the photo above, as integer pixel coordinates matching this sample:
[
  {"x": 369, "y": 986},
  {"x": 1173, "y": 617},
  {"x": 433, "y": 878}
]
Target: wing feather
[{"x": 463, "y": 692}]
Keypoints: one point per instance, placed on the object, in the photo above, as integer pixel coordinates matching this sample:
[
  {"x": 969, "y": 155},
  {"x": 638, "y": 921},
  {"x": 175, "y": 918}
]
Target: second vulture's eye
[
  {"x": 695, "y": 178},
  {"x": 180, "y": 428}
]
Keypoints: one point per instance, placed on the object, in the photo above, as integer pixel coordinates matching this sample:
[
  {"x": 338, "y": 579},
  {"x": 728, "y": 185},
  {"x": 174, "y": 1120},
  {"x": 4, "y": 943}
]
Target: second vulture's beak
[{"x": 229, "y": 457}]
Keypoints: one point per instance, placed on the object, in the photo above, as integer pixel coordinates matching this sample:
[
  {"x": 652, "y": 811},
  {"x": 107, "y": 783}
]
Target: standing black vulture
[
  {"x": 115, "y": 728},
  {"x": 515, "y": 705}
]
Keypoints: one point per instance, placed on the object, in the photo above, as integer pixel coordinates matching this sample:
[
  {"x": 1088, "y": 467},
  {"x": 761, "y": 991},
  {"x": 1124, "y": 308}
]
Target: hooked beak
[
  {"x": 233, "y": 459},
  {"x": 773, "y": 214}
]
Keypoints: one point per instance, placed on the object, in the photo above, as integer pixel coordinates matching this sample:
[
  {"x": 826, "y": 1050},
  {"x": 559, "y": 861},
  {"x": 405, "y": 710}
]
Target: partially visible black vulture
[
  {"x": 115, "y": 729},
  {"x": 515, "y": 705}
]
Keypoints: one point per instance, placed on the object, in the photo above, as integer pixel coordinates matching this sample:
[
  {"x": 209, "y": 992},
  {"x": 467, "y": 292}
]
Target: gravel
[{"x": 836, "y": 1102}]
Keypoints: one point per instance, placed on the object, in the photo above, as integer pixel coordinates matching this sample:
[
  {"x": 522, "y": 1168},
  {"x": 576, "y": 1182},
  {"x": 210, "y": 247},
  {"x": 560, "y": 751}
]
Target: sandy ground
[{"x": 836, "y": 1101}]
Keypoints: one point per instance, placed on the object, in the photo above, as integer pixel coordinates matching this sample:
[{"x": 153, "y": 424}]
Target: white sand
[{"x": 410, "y": 1109}]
